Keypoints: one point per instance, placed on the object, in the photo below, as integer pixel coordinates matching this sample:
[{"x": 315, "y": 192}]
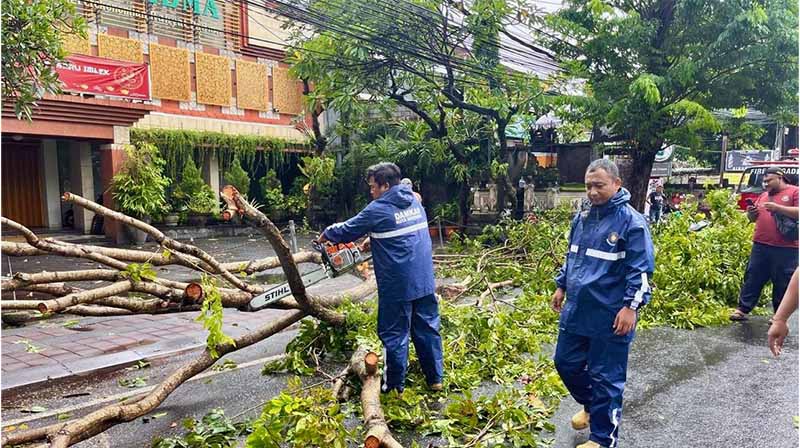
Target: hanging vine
[{"x": 176, "y": 145}]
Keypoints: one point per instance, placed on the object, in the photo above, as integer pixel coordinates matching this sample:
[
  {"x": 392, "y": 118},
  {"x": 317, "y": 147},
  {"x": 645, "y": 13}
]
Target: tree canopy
[
  {"x": 654, "y": 69},
  {"x": 33, "y": 33},
  {"x": 439, "y": 60}
]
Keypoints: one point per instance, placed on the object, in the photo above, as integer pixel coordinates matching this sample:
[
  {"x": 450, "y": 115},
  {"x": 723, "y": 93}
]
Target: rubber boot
[
  {"x": 580, "y": 420},
  {"x": 589, "y": 444}
]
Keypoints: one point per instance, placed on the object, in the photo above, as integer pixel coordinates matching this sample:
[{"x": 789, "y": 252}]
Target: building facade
[{"x": 214, "y": 65}]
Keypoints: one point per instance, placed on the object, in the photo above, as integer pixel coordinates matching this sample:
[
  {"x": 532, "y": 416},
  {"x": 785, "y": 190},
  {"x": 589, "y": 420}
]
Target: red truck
[{"x": 750, "y": 184}]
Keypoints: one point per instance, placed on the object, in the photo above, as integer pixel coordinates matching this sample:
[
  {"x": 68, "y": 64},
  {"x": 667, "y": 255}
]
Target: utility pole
[{"x": 724, "y": 156}]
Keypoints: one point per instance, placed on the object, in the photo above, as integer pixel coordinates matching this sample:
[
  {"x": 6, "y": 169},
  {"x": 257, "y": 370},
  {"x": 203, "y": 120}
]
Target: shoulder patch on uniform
[{"x": 612, "y": 239}]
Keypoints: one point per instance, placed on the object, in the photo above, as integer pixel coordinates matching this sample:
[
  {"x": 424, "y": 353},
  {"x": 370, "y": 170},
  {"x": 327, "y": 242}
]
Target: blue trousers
[
  {"x": 594, "y": 370},
  {"x": 418, "y": 318},
  {"x": 767, "y": 263},
  {"x": 655, "y": 212}
]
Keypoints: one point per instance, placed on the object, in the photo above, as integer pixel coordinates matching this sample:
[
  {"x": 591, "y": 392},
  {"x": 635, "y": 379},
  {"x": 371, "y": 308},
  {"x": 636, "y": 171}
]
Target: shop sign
[
  {"x": 739, "y": 160},
  {"x": 209, "y": 9},
  {"x": 661, "y": 169},
  {"x": 99, "y": 76}
]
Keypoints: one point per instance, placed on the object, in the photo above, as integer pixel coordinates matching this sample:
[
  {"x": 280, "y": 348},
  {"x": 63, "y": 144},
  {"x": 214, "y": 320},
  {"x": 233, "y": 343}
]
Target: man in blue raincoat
[
  {"x": 605, "y": 280},
  {"x": 402, "y": 254}
]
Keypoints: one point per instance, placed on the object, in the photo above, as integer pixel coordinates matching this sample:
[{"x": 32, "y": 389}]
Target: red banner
[{"x": 98, "y": 76}]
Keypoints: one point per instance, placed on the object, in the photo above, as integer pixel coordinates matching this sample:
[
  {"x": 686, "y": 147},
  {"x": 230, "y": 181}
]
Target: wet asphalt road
[
  {"x": 717, "y": 387},
  {"x": 711, "y": 387}
]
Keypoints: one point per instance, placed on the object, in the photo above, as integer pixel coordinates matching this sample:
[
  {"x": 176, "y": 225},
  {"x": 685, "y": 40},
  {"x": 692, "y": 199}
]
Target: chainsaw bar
[
  {"x": 336, "y": 260},
  {"x": 278, "y": 292}
]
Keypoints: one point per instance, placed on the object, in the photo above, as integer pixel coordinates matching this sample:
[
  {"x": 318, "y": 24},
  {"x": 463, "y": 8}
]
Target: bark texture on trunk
[
  {"x": 105, "y": 300},
  {"x": 364, "y": 364},
  {"x": 639, "y": 180}
]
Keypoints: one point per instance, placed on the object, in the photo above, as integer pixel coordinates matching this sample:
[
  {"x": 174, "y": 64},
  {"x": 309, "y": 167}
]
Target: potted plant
[
  {"x": 238, "y": 177},
  {"x": 201, "y": 207},
  {"x": 172, "y": 215},
  {"x": 446, "y": 214},
  {"x": 274, "y": 199},
  {"x": 139, "y": 187},
  {"x": 195, "y": 196}
]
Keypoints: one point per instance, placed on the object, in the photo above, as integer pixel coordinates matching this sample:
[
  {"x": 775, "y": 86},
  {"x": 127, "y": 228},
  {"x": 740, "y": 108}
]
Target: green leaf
[{"x": 211, "y": 316}]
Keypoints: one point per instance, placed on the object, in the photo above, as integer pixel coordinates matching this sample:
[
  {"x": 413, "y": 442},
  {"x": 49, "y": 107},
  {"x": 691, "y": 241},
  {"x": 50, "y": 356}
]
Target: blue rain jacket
[
  {"x": 401, "y": 245},
  {"x": 608, "y": 265}
]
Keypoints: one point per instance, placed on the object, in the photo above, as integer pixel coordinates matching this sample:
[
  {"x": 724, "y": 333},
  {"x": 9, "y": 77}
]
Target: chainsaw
[{"x": 337, "y": 259}]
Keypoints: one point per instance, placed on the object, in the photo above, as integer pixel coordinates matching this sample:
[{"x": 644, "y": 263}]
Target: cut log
[
  {"x": 364, "y": 364},
  {"x": 158, "y": 259},
  {"x": 59, "y": 249},
  {"x": 55, "y": 305},
  {"x": 194, "y": 292}
]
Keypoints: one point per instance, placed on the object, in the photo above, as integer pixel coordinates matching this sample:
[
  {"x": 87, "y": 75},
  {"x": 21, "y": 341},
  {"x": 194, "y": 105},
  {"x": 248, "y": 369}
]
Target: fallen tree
[{"x": 129, "y": 271}]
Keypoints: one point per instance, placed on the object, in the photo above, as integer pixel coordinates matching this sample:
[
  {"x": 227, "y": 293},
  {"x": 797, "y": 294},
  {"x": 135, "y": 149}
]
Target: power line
[
  {"x": 325, "y": 22},
  {"x": 327, "y": 57}
]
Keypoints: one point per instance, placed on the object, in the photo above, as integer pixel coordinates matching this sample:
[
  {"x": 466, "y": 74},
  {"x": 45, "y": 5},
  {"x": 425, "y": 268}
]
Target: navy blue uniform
[
  {"x": 402, "y": 253},
  {"x": 609, "y": 262}
]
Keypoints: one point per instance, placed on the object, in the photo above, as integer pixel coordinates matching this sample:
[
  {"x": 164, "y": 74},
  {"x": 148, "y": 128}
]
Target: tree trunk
[
  {"x": 639, "y": 180},
  {"x": 364, "y": 364},
  {"x": 506, "y": 192},
  {"x": 463, "y": 202}
]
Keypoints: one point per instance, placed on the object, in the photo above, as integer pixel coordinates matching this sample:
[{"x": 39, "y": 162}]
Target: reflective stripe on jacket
[
  {"x": 401, "y": 245},
  {"x": 609, "y": 262}
]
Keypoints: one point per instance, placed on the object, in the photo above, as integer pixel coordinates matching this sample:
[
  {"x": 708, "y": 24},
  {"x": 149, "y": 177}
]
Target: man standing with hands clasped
[{"x": 605, "y": 280}]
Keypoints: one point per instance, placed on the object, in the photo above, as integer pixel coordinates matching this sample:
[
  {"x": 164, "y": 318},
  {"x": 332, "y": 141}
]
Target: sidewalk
[
  {"x": 72, "y": 345},
  {"x": 69, "y": 345}
]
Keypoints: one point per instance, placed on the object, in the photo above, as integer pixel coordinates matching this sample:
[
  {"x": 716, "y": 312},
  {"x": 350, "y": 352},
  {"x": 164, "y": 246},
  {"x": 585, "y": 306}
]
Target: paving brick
[
  {"x": 25, "y": 357},
  {"x": 64, "y": 356},
  {"x": 43, "y": 360},
  {"x": 89, "y": 352},
  {"x": 11, "y": 366},
  {"x": 50, "y": 352},
  {"x": 13, "y": 348},
  {"x": 56, "y": 331}
]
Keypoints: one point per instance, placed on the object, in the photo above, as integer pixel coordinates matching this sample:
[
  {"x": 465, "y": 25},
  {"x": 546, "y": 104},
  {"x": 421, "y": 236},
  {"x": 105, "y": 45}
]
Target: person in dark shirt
[{"x": 656, "y": 201}]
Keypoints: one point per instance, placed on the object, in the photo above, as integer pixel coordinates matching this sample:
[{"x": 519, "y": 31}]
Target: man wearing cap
[{"x": 773, "y": 256}]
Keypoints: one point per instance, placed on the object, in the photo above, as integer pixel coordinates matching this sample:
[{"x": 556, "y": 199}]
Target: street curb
[{"x": 103, "y": 363}]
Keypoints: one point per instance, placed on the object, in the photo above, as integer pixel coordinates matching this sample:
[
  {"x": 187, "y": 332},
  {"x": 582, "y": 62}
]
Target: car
[{"x": 750, "y": 185}]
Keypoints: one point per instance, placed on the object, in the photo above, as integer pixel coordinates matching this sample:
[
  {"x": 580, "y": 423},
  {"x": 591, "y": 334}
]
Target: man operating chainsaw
[{"x": 401, "y": 249}]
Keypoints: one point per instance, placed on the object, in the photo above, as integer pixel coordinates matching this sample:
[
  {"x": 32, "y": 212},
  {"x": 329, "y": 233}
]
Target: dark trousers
[
  {"x": 418, "y": 319},
  {"x": 655, "y": 211},
  {"x": 767, "y": 263},
  {"x": 594, "y": 369}
]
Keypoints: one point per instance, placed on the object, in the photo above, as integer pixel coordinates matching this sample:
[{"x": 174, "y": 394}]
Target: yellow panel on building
[
  {"x": 119, "y": 48},
  {"x": 251, "y": 85},
  {"x": 213, "y": 79},
  {"x": 170, "y": 74},
  {"x": 286, "y": 92},
  {"x": 75, "y": 44}
]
